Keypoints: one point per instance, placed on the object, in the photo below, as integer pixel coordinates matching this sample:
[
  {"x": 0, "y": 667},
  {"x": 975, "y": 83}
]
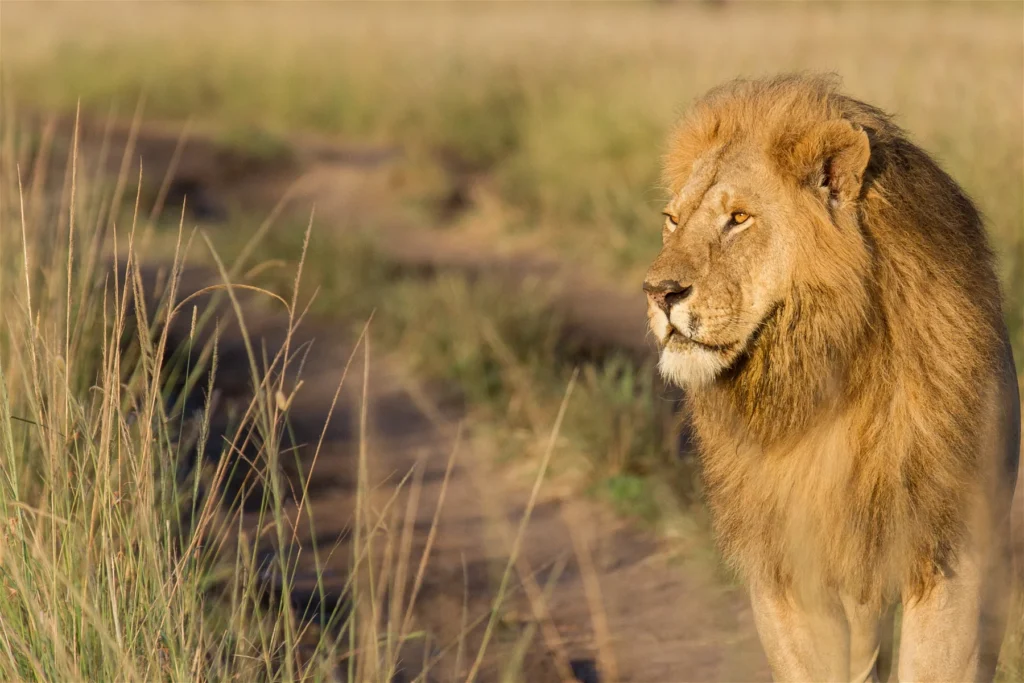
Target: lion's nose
[{"x": 667, "y": 293}]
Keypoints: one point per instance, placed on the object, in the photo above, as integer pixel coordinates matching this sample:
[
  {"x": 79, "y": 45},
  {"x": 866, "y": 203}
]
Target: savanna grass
[
  {"x": 101, "y": 580},
  {"x": 559, "y": 113},
  {"x": 112, "y": 566},
  {"x": 561, "y": 109}
]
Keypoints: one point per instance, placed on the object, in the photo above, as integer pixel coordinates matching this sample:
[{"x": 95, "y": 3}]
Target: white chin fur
[{"x": 690, "y": 368}]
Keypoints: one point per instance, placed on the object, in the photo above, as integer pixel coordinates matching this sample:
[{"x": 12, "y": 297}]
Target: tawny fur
[{"x": 839, "y": 444}]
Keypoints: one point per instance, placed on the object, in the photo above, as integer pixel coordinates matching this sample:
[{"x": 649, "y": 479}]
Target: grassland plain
[
  {"x": 557, "y": 111},
  {"x": 541, "y": 125}
]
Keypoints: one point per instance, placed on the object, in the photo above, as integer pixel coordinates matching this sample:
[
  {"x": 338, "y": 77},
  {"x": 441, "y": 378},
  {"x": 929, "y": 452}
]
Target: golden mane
[{"x": 894, "y": 334}]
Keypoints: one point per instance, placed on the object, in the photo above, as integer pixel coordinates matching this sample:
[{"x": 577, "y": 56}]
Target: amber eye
[
  {"x": 671, "y": 219},
  {"x": 740, "y": 217}
]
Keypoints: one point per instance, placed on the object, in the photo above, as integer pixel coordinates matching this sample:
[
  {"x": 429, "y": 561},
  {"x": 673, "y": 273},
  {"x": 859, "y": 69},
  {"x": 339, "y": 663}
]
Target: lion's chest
[{"x": 811, "y": 508}]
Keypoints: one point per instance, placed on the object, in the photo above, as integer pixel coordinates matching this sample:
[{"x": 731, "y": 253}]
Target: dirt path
[
  {"x": 352, "y": 187},
  {"x": 615, "y": 602},
  {"x": 643, "y": 620}
]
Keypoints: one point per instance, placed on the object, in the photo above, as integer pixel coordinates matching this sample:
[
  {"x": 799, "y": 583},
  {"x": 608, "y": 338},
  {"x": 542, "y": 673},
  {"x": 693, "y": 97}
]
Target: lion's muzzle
[{"x": 667, "y": 293}]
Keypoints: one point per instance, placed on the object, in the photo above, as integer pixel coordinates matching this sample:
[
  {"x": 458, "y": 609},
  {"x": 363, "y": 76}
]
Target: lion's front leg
[
  {"x": 955, "y": 632},
  {"x": 834, "y": 640}
]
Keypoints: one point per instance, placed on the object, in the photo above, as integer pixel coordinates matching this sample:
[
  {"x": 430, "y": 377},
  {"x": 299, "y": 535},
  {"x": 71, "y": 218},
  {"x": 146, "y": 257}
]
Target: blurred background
[{"x": 471, "y": 191}]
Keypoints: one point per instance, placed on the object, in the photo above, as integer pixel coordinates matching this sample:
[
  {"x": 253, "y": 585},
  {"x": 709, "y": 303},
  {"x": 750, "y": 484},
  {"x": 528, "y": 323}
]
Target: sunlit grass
[
  {"x": 111, "y": 567},
  {"x": 559, "y": 112},
  {"x": 565, "y": 106}
]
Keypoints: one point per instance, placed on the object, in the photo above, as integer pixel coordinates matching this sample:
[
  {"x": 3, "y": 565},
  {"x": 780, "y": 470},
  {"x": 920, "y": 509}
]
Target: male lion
[{"x": 825, "y": 293}]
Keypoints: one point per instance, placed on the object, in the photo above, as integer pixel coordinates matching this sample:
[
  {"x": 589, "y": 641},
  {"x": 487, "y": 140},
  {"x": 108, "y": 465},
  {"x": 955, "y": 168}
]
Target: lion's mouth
[
  {"x": 674, "y": 339},
  {"x": 677, "y": 339}
]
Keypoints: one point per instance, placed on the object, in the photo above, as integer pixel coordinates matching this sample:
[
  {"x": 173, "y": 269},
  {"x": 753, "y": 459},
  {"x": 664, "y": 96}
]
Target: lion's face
[
  {"x": 726, "y": 263},
  {"x": 754, "y": 221}
]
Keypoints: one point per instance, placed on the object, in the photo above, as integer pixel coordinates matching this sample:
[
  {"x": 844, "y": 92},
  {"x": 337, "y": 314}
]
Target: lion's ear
[{"x": 834, "y": 157}]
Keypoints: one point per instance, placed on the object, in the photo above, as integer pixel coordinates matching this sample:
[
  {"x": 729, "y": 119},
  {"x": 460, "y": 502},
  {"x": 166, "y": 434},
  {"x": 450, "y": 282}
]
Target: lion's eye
[
  {"x": 740, "y": 217},
  {"x": 671, "y": 219}
]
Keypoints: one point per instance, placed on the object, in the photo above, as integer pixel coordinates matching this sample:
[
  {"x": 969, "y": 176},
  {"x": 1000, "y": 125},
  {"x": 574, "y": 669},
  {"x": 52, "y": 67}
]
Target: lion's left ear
[{"x": 834, "y": 156}]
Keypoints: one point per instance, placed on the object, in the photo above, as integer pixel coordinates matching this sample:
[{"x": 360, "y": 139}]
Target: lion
[{"x": 825, "y": 295}]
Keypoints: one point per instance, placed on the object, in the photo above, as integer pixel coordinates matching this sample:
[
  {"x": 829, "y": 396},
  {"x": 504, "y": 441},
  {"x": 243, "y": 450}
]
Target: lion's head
[
  {"x": 765, "y": 179},
  {"x": 813, "y": 256}
]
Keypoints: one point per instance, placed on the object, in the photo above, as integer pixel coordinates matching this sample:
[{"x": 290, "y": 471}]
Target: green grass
[
  {"x": 560, "y": 113},
  {"x": 563, "y": 107}
]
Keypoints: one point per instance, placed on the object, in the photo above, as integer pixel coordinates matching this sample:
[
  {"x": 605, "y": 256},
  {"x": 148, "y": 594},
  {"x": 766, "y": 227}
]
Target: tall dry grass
[
  {"x": 102, "y": 579},
  {"x": 111, "y": 566}
]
